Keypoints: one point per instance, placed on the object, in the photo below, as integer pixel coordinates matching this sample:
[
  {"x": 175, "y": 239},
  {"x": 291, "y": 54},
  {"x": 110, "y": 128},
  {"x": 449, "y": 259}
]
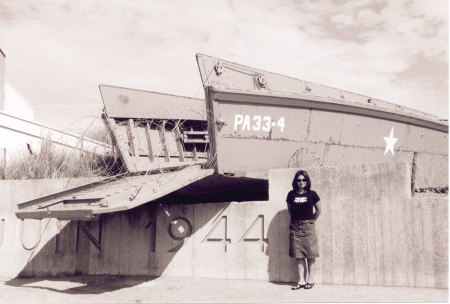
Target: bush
[{"x": 55, "y": 162}]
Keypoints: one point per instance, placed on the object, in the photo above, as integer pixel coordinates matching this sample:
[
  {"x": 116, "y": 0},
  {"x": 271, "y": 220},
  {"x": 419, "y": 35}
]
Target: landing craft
[{"x": 190, "y": 150}]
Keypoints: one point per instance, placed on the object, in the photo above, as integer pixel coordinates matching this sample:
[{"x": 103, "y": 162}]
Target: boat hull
[{"x": 252, "y": 132}]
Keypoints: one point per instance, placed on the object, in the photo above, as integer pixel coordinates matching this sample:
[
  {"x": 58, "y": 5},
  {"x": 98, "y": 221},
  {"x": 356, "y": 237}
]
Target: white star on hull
[{"x": 390, "y": 142}]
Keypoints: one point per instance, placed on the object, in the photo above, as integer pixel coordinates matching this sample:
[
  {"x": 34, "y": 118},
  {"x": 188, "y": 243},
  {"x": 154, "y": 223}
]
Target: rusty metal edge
[
  {"x": 205, "y": 81},
  {"x": 68, "y": 191},
  {"x": 92, "y": 213},
  {"x": 146, "y": 91},
  {"x": 202, "y": 174},
  {"x": 317, "y": 102},
  {"x": 85, "y": 214}
]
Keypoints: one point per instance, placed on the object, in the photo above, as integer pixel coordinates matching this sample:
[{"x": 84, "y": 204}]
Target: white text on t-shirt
[{"x": 302, "y": 199}]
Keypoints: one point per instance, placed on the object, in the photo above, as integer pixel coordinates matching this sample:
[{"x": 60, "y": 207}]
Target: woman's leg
[
  {"x": 302, "y": 271},
  {"x": 311, "y": 268}
]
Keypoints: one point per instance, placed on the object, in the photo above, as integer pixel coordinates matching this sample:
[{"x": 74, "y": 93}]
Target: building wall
[
  {"x": 2, "y": 81},
  {"x": 371, "y": 232},
  {"x": 16, "y": 133},
  {"x": 18, "y": 129},
  {"x": 16, "y": 104},
  {"x": 11, "y": 102}
]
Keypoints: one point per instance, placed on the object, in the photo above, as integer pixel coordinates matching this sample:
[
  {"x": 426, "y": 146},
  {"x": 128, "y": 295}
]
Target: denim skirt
[{"x": 303, "y": 239}]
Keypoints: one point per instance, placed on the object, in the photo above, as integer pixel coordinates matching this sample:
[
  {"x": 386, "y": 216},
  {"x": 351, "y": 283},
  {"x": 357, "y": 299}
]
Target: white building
[
  {"x": 19, "y": 132},
  {"x": 17, "y": 105}
]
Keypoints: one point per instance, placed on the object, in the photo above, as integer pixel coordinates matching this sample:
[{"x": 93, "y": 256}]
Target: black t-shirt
[{"x": 300, "y": 206}]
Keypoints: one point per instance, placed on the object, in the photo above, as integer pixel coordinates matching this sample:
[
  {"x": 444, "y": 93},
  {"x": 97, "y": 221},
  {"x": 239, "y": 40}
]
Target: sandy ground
[{"x": 113, "y": 289}]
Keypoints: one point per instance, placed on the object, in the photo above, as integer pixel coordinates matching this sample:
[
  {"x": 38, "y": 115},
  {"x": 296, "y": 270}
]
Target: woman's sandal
[
  {"x": 298, "y": 286},
  {"x": 309, "y": 285}
]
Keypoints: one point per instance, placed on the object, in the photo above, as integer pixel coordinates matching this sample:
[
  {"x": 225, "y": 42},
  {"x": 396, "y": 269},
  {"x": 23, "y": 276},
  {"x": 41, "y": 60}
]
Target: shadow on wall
[
  {"x": 281, "y": 267},
  {"x": 140, "y": 243},
  {"x": 219, "y": 188}
]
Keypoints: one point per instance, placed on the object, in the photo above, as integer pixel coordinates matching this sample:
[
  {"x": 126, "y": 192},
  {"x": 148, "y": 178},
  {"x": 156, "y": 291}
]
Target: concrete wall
[
  {"x": 371, "y": 232},
  {"x": 22, "y": 241}
]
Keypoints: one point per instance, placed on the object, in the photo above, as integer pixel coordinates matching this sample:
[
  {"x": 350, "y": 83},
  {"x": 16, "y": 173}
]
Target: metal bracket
[
  {"x": 195, "y": 137},
  {"x": 262, "y": 82},
  {"x": 218, "y": 68},
  {"x": 97, "y": 242}
]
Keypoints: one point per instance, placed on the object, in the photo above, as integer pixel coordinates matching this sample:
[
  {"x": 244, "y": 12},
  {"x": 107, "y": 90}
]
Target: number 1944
[{"x": 257, "y": 123}]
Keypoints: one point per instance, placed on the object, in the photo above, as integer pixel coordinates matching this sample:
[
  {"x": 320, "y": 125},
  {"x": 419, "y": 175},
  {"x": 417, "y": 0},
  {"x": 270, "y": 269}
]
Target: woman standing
[{"x": 304, "y": 208}]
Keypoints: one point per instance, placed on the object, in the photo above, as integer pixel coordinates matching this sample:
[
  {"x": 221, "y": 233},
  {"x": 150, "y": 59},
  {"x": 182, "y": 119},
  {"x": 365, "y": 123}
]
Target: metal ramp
[
  {"x": 155, "y": 131},
  {"x": 120, "y": 193},
  {"x": 162, "y": 141}
]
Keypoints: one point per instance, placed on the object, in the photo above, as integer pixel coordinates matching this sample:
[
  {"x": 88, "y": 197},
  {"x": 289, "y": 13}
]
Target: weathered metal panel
[
  {"x": 245, "y": 104},
  {"x": 109, "y": 195},
  {"x": 263, "y": 122},
  {"x": 421, "y": 139},
  {"x": 336, "y": 155},
  {"x": 277, "y": 99},
  {"x": 254, "y": 131},
  {"x": 148, "y": 128},
  {"x": 431, "y": 170},
  {"x": 131, "y": 103},
  {"x": 256, "y": 156},
  {"x": 222, "y": 73}
]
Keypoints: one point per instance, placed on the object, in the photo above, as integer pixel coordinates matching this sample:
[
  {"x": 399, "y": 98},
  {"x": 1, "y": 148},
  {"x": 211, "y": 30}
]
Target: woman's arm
[
  {"x": 289, "y": 202},
  {"x": 289, "y": 205},
  {"x": 318, "y": 210}
]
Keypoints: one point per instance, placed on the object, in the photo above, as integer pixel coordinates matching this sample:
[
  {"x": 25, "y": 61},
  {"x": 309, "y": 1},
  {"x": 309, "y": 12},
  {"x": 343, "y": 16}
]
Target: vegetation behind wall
[{"x": 52, "y": 161}]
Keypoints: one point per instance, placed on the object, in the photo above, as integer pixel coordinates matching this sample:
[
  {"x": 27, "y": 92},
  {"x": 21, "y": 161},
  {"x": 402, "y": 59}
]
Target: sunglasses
[{"x": 301, "y": 180}]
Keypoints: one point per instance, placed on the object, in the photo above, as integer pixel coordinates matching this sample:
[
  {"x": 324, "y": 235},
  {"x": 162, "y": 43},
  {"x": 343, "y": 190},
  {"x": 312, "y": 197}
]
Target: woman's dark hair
[{"x": 308, "y": 180}]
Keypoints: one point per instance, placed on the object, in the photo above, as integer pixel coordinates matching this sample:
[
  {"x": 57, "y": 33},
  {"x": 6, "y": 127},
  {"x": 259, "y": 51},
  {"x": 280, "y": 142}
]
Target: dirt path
[{"x": 107, "y": 289}]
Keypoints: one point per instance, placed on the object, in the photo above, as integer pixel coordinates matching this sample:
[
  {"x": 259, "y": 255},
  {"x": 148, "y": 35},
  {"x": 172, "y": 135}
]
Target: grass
[
  {"x": 54, "y": 162},
  {"x": 99, "y": 133}
]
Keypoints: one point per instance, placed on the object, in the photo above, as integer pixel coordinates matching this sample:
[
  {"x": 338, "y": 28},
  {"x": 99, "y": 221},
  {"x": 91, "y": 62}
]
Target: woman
[{"x": 304, "y": 208}]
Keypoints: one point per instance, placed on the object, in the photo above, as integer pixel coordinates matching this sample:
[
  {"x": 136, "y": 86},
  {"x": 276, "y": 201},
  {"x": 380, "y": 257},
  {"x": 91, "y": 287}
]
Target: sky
[{"x": 58, "y": 52}]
